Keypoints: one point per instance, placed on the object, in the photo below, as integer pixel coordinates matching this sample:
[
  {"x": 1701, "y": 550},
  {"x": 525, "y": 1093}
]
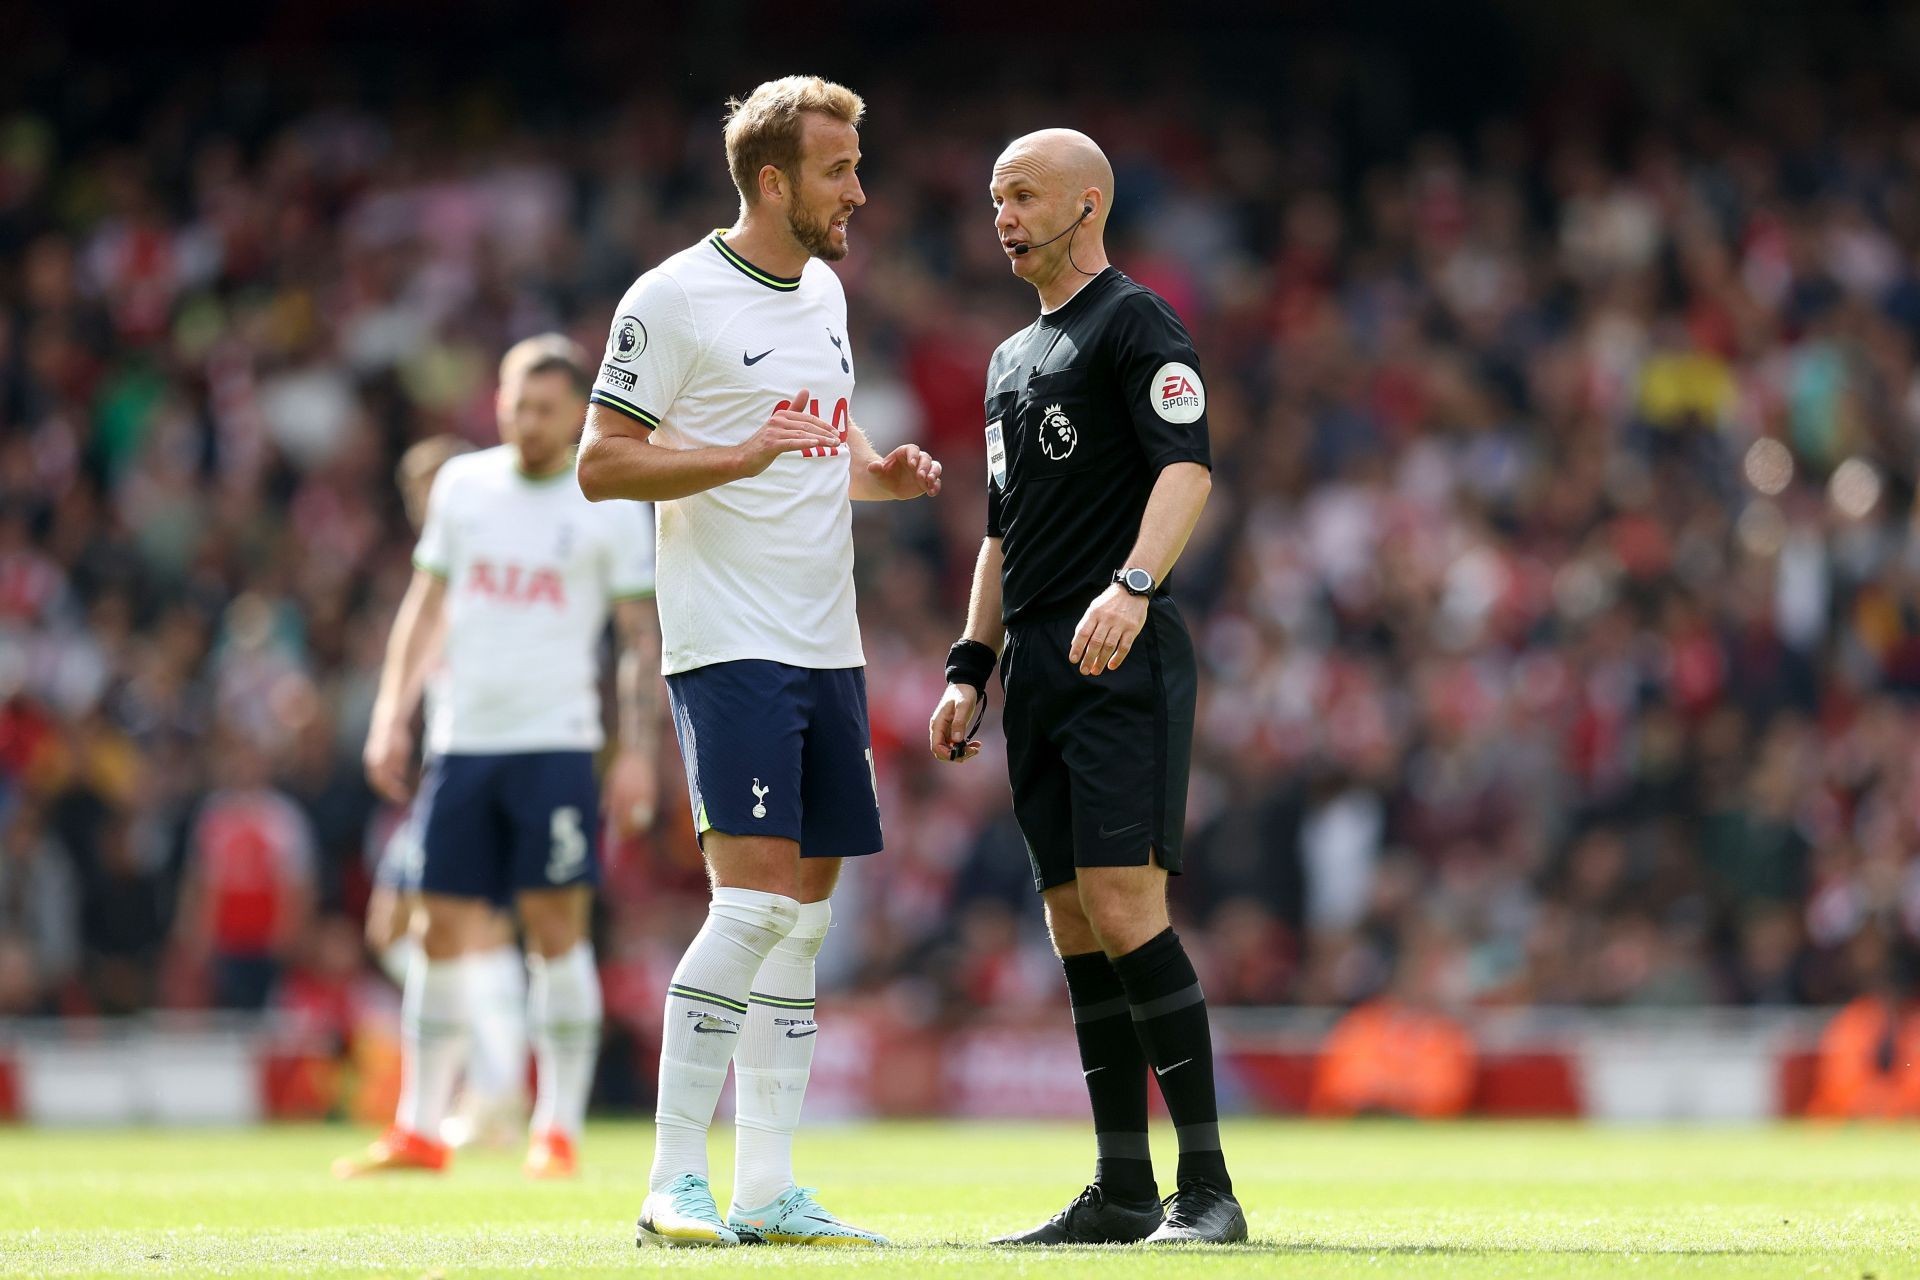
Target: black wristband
[{"x": 971, "y": 662}]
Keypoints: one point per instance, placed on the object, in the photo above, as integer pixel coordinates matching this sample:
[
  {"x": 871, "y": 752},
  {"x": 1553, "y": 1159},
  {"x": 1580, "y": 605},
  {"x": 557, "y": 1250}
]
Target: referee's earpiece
[{"x": 1086, "y": 211}]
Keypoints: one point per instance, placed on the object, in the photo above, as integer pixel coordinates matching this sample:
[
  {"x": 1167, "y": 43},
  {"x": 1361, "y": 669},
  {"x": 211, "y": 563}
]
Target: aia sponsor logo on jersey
[
  {"x": 1176, "y": 392},
  {"x": 841, "y": 416},
  {"x": 516, "y": 584}
]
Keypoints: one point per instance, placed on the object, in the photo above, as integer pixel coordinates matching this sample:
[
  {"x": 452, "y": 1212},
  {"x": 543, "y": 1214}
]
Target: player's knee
[
  {"x": 1121, "y": 916},
  {"x": 1067, "y": 921},
  {"x": 496, "y": 931},
  {"x": 554, "y": 923},
  {"x": 553, "y": 938},
  {"x": 809, "y": 932},
  {"x": 445, "y": 936},
  {"x": 758, "y": 920}
]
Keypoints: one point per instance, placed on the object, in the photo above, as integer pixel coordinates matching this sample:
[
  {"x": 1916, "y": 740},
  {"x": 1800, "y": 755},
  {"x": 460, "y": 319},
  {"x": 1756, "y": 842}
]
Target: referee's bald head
[{"x": 1065, "y": 158}]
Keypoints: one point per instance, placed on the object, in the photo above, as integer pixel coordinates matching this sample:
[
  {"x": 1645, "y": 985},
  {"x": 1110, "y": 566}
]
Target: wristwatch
[{"x": 1138, "y": 582}]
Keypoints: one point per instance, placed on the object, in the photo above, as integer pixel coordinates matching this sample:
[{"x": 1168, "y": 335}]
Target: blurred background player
[
  {"x": 492, "y": 1106},
  {"x": 693, "y": 409},
  {"x": 515, "y": 574}
]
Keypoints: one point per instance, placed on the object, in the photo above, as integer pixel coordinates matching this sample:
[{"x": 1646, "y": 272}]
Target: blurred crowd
[{"x": 1558, "y": 599}]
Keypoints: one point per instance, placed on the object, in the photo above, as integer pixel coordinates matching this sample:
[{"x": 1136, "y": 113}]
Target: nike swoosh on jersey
[
  {"x": 1160, "y": 1071},
  {"x": 756, "y": 359},
  {"x": 1120, "y": 831}
]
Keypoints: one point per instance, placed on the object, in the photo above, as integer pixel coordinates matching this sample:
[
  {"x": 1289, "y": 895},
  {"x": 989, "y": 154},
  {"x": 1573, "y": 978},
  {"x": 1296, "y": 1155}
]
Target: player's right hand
[
  {"x": 388, "y": 758},
  {"x": 947, "y": 731},
  {"x": 786, "y": 431}
]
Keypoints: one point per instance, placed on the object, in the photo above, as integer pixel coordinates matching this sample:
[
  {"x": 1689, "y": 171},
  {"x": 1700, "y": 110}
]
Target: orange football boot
[
  {"x": 395, "y": 1150},
  {"x": 551, "y": 1155}
]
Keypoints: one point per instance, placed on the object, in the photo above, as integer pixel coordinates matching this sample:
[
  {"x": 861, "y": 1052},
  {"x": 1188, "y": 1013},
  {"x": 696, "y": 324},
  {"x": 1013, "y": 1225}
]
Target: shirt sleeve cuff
[
  {"x": 626, "y": 407},
  {"x": 1161, "y": 461}
]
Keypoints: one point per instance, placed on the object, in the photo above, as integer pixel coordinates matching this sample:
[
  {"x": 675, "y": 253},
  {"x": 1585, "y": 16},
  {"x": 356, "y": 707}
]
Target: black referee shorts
[{"x": 1099, "y": 763}]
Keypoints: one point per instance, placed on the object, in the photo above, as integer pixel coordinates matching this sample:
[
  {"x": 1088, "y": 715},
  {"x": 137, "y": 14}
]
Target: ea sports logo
[
  {"x": 1057, "y": 434},
  {"x": 629, "y": 339},
  {"x": 1176, "y": 393}
]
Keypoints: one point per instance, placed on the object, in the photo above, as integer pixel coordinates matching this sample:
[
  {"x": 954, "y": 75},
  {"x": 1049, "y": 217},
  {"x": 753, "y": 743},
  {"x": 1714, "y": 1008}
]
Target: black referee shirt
[{"x": 1085, "y": 406}]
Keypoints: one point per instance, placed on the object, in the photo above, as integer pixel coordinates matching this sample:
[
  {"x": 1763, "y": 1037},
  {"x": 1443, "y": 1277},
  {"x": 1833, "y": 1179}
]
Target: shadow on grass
[{"x": 1292, "y": 1248}]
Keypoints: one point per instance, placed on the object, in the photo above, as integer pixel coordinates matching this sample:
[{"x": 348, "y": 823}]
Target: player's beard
[
  {"x": 541, "y": 459},
  {"x": 814, "y": 235}
]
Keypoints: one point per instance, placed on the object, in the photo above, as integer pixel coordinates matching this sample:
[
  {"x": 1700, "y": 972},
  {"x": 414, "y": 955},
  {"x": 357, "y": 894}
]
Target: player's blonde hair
[
  {"x": 546, "y": 353},
  {"x": 763, "y": 128}
]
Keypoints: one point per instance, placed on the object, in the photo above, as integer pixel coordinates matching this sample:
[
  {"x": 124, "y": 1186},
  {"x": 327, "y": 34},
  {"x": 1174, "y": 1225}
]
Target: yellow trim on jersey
[
  {"x": 785, "y": 284},
  {"x": 435, "y": 570},
  {"x": 626, "y": 407}
]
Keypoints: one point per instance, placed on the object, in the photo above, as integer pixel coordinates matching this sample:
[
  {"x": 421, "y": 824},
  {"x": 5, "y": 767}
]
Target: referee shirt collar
[{"x": 1092, "y": 285}]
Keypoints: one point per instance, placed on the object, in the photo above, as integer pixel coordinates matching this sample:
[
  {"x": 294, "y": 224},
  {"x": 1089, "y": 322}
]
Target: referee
[{"x": 1098, "y": 468}]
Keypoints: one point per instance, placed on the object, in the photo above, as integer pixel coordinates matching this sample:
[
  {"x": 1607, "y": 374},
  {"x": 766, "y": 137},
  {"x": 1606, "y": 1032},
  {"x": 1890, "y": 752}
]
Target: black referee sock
[
  {"x": 1170, "y": 1017},
  {"x": 1115, "y": 1067}
]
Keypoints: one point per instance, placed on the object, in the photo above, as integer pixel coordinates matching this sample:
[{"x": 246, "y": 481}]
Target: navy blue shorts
[
  {"x": 497, "y": 824},
  {"x": 776, "y": 750}
]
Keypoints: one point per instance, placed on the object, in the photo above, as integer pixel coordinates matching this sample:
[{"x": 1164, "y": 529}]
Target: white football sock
[
  {"x": 497, "y": 992},
  {"x": 433, "y": 1031},
  {"x": 775, "y": 1057},
  {"x": 706, "y": 1009},
  {"x": 399, "y": 957},
  {"x": 565, "y": 1007}
]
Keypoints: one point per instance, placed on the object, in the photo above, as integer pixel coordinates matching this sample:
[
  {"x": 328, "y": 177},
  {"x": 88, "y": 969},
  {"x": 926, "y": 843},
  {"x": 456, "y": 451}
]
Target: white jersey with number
[
  {"x": 532, "y": 569},
  {"x": 704, "y": 349}
]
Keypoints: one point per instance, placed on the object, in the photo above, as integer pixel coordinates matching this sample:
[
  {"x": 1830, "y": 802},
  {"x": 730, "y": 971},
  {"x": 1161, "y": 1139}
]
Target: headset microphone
[{"x": 1086, "y": 211}]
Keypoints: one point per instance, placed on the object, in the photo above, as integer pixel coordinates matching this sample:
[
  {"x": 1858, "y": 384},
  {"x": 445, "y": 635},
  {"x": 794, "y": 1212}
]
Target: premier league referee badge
[{"x": 1057, "y": 434}]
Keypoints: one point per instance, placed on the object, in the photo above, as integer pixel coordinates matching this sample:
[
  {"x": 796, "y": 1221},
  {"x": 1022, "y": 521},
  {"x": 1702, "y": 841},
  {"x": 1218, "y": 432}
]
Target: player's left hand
[
  {"x": 947, "y": 728},
  {"x": 1107, "y": 631},
  {"x": 907, "y": 472},
  {"x": 633, "y": 790}
]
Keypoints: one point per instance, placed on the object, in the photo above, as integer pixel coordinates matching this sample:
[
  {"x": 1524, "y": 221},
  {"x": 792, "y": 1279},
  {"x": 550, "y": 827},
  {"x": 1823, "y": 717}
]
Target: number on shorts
[{"x": 569, "y": 851}]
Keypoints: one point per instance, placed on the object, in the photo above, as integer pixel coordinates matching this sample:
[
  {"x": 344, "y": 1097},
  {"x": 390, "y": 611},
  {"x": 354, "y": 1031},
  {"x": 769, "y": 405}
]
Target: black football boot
[{"x": 1092, "y": 1218}]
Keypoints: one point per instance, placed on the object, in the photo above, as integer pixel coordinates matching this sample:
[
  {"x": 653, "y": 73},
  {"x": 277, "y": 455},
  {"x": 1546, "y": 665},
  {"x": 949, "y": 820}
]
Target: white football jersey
[
  {"x": 532, "y": 569},
  {"x": 704, "y": 349}
]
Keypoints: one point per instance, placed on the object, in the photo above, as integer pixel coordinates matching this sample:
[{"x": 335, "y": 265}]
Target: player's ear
[{"x": 773, "y": 183}]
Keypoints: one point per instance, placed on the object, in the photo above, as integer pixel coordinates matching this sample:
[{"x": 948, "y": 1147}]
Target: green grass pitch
[{"x": 1323, "y": 1200}]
